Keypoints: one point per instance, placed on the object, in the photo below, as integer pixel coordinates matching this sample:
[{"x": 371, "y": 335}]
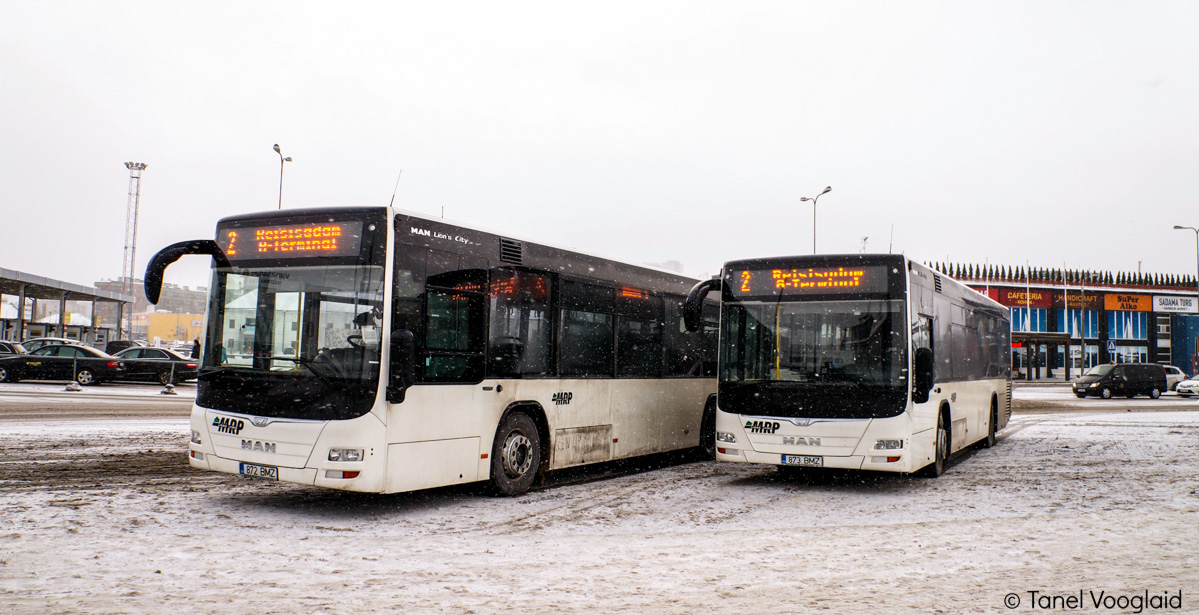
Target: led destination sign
[
  {"x": 292, "y": 240},
  {"x": 808, "y": 281}
]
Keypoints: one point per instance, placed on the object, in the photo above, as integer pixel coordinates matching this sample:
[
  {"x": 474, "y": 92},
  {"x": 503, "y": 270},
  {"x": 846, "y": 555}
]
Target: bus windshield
[
  {"x": 293, "y": 341},
  {"x": 804, "y": 353}
]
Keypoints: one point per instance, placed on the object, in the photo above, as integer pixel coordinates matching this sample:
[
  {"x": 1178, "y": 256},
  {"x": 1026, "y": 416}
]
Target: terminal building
[
  {"x": 36, "y": 306},
  {"x": 1064, "y": 321}
]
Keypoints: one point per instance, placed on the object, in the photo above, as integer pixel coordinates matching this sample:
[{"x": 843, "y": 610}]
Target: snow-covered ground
[{"x": 106, "y": 517}]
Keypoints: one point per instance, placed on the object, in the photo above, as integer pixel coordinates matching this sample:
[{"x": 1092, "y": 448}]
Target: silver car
[{"x": 1174, "y": 376}]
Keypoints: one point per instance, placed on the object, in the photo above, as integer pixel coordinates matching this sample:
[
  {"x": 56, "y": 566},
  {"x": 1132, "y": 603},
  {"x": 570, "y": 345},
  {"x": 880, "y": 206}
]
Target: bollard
[
  {"x": 74, "y": 384},
  {"x": 169, "y": 389}
]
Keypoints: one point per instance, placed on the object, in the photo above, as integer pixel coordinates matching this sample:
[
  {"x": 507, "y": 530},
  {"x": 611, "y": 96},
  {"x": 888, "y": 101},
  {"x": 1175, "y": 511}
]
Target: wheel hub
[{"x": 517, "y": 454}]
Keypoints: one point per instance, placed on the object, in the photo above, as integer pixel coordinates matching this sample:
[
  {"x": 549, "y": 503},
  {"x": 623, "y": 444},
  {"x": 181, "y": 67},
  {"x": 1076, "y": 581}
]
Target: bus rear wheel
[{"x": 515, "y": 455}]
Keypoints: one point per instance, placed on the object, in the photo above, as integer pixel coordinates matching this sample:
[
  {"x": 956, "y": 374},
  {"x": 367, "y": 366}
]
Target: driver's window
[{"x": 454, "y": 327}]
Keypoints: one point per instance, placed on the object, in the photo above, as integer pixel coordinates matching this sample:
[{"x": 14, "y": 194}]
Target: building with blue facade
[{"x": 1064, "y": 321}]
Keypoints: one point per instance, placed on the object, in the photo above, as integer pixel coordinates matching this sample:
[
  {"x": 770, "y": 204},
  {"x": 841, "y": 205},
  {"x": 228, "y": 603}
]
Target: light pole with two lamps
[
  {"x": 281, "y": 161},
  {"x": 1195, "y": 358},
  {"x": 813, "y": 200},
  {"x": 1196, "y": 231}
]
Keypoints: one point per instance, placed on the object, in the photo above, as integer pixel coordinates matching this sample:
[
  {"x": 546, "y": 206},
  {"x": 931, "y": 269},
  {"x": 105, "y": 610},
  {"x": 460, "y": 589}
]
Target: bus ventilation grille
[
  {"x": 511, "y": 251},
  {"x": 937, "y": 281}
]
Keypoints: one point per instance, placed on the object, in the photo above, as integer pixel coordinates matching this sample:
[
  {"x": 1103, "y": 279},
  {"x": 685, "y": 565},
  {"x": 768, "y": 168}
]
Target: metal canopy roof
[{"x": 42, "y": 288}]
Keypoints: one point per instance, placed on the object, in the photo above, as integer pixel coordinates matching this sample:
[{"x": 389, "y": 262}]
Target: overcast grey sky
[{"x": 1052, "y": 132}]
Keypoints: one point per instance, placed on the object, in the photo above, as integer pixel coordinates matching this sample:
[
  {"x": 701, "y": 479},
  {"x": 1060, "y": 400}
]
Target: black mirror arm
[
  {"x": 158, "y": 265},
  {"x": 693, "y": 308},
  {"x": 402, "y": 373}
]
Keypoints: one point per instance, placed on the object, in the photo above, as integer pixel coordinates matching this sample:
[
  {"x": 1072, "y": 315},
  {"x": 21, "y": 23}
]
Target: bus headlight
[
  {"x": 888, "y": 445},
  {"x": 723, "y": 436},
  {"x": 345, "y": 454},
  {"x": 196, "y": 437}
]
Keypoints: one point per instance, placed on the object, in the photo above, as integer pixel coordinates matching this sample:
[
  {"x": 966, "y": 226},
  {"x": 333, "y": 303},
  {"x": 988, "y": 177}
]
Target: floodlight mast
[{"x": 127, "y": 275}]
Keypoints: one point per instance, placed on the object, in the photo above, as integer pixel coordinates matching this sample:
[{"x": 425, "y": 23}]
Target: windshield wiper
[{"x": 308, "y": 364}]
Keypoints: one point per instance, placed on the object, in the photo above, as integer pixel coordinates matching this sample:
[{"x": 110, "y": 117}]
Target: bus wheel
[
  {"x": 935, "y": 468},
  {"x": 707, "y": 431},
  {"x": 990, "y": 430},
  {"x": 515, "y": 455}
]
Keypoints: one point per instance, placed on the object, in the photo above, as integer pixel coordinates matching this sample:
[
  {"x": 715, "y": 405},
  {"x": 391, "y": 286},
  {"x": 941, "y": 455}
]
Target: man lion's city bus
[
  {"x": 870, "y": 362},
  {"x": 376, "y": 350}
]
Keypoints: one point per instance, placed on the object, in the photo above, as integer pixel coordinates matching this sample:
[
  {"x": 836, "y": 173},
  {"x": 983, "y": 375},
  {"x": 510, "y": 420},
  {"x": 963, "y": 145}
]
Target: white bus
[
  {"x": 376, "y": 350},
  {"x": 871, "y": 362}
]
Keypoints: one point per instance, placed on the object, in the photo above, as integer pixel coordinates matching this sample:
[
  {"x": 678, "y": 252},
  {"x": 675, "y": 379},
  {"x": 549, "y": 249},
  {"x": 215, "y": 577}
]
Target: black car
[
  {"x": 34, "y": 343},
  {"x": 156, "y": 364},
  {"x": 1129, "y": 379},
  {"x": 7, "y": 348},
  {"x": 83, "y": 364}
]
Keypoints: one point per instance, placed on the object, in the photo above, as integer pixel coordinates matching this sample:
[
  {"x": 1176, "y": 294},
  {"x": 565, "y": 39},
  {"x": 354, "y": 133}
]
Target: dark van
[{"x": 1130, "y": 379}]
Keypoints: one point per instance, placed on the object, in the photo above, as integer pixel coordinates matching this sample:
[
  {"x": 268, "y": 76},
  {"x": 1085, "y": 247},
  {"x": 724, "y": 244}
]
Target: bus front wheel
[
  {"x": 941, "y": 453},
  {"x": 707, "y": 431},
  {"x": 990, "y": 441},
  {"x": 515, "y": 455}
]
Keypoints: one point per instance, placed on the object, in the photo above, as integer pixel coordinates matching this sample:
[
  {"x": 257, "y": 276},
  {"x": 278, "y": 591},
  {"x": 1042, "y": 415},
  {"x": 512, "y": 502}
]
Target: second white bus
[{"x": 870, "y": 362}]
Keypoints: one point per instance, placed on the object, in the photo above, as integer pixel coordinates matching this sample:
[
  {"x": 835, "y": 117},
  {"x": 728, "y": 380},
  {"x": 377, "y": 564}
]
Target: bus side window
[
  {"x": 521, "y": 338},
  {"x": 588, "y": 337},
  {"x": 638, "y": 333}
]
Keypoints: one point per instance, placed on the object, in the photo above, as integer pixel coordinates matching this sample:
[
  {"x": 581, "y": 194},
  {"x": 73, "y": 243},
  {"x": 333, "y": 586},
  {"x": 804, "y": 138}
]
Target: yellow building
[{"x": 164, "y": 328}]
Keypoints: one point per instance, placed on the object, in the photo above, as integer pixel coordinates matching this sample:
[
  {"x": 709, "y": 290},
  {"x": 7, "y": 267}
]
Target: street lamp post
[
  {"x": 813, "y": 200},
  {"x": 1196, "y": 230},
  {"x": 281, "y": 161}
]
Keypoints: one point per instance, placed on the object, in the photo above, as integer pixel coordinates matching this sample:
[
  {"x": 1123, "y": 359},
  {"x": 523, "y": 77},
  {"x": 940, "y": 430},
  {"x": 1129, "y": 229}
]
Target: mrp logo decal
[
  {"x": 225, "y": 424},
  {"x": 761, "y": 426},
  {"x": 561, "y": 399}
]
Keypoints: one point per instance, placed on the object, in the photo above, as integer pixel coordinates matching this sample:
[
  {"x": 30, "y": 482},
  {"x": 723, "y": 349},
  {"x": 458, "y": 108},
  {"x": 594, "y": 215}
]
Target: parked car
[
  {"x": 34, "y": 343},
  {"x": 1173, "y": 377},
  {"x": 7, "y": 348},
  {"x": 83, "y": 364},
  {"x": 115, "y": 346},
  {"x": 155, "y": 365},
  {"x": 1188, "y": 387},
  {"x": 1130, "y": 379}
]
